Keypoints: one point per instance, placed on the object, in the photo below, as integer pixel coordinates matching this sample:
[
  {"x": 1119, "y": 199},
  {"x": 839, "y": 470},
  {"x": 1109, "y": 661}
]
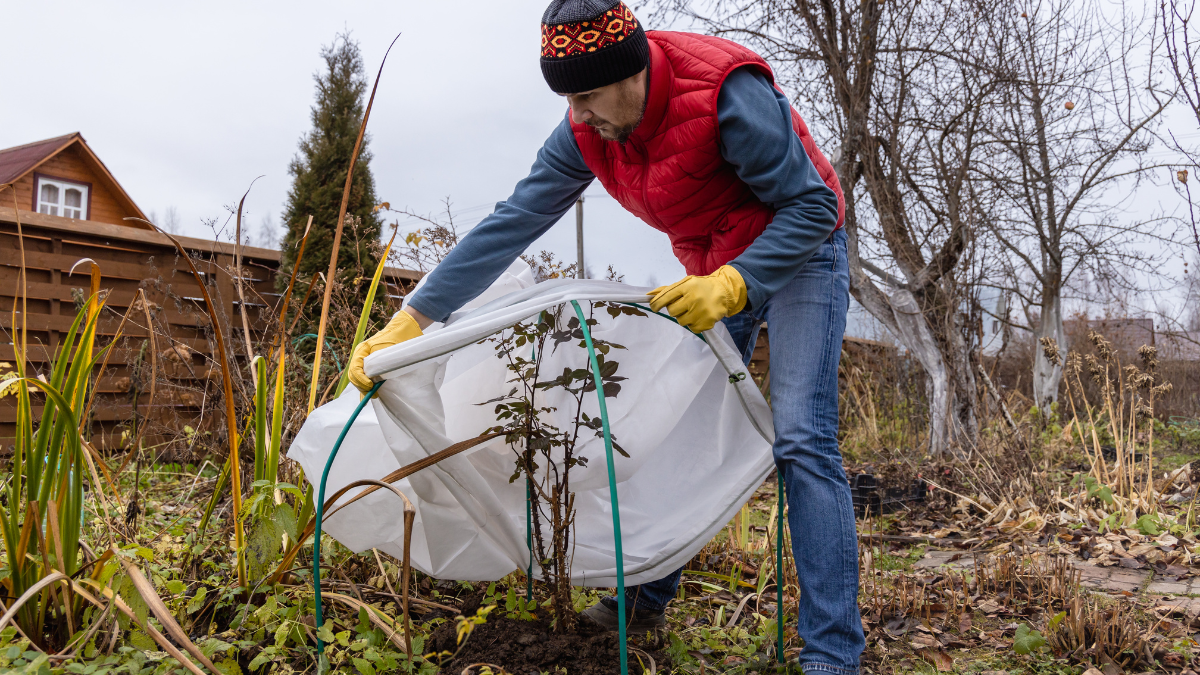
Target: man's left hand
[{"x": 698, "y": 303}]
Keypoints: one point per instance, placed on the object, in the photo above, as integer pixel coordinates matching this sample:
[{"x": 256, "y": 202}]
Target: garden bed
[{"x": 522, "y": 647}]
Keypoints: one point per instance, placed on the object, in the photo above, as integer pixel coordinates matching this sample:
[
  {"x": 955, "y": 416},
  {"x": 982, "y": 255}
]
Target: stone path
[{"x": 1108, "y": 579}]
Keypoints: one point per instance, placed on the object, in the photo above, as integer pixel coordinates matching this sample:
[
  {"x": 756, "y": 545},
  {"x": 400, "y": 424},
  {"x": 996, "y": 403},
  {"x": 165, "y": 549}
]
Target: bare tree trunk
[
  {"x": 951, "y": 407},
  {"x": 1047, "y": 375},
  {"x": 914, "y": 332}
]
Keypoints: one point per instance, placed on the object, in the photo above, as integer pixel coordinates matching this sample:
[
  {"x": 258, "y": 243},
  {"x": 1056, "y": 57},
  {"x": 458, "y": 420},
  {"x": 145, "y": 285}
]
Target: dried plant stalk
[{"x": 337, "y": 235}]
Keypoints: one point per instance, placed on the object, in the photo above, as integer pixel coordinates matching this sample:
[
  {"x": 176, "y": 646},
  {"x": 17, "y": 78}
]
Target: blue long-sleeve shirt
[{"x": 756, "y": 136}]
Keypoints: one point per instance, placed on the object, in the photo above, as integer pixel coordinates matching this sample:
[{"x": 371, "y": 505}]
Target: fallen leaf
[
  {"x": 938, "y": 658},
  {"x": 952, "y": 643},
  {"x": 964, "y": 623},
  {"x": 1167, "y": 540},
  {"x": 989, "y": 607},
  {"x": 1170, "y": 570},
  {"x": 1141, "y": 549},
  {"x": 922, "y": 641},
  {"x": 898, "y": 626}
]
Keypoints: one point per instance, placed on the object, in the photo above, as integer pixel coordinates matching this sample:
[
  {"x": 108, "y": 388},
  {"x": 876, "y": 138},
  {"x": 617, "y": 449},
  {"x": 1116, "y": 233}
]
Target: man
[{"x": 689, "y": 133}]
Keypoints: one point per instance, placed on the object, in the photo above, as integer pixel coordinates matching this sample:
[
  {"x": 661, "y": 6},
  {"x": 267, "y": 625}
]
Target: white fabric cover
[{"x": 699, "y": 443}]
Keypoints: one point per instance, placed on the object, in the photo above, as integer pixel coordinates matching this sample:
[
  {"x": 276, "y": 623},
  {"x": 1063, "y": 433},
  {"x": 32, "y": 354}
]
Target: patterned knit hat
[{"x": 587, "y": 44}]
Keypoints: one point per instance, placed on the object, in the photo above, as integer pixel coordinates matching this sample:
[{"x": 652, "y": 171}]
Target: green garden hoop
[{"x": 612, "y": 489}]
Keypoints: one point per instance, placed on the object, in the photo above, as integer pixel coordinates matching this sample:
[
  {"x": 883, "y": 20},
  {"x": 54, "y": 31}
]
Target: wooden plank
[
  {"x": 112, "y": 317},
  {"x": 125, "y": 233},
  {"x": 104, "y": 438},
  {"x": 261, "y": 317},
  {"x": 55, "y": 281},
  {"x": 170, "y": 392},
  {"x": 187, "y": 292},
  {"x": 110, "y": 413},
  {"x": 81, "y": 245},
  {"x": 41, "y": 354},
  {"x": 399, "y": 273},
  {"x": 104, "y": 234},
  {"x": 45, "y": 322},
  {"x": 10, "y": 255}
]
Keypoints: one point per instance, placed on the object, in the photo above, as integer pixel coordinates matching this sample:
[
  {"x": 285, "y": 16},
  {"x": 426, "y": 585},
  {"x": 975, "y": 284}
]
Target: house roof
[{"x": 18, "y": 161}]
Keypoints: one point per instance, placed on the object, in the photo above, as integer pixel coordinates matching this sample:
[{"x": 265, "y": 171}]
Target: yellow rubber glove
[
  {"x": 402, "y": 327},
  {"x": 698, "y": 303}
]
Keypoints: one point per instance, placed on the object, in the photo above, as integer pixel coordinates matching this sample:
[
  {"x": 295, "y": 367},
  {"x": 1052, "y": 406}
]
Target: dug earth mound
[{"x": 532, "y": 647}]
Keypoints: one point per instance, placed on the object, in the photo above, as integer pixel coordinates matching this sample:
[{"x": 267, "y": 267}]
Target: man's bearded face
[{"x": 614, "y": 111}]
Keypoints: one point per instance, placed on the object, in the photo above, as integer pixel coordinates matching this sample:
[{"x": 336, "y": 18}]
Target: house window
[
  {"x": 995, "y": 327},
  {"x": 62, "y": 198}
]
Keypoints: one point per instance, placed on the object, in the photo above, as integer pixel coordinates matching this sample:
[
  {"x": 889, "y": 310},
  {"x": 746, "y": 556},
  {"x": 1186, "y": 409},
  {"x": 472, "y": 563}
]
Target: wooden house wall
[{"x": 74, "y": 164}]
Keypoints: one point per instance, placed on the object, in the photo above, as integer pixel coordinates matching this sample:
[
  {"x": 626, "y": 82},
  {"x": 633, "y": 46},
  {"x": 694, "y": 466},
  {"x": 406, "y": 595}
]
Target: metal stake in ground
[
  {"x": 321, "y": 508},
  {"x": 779, "y": 571},
  {"x": 612, "y": 485},
  {"x": 579, "y": 274}
]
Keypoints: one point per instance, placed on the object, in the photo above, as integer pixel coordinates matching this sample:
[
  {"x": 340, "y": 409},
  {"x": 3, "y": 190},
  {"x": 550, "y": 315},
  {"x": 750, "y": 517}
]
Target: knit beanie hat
[{"x": 587, "y": 44}]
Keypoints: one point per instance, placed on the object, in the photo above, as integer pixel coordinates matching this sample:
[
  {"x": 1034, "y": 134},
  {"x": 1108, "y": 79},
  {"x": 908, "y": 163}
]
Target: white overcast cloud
[{"x": 188, "y": 102}]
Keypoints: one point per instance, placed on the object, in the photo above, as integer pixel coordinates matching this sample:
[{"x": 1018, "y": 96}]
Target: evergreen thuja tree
[{"x": 319, "y": 178}]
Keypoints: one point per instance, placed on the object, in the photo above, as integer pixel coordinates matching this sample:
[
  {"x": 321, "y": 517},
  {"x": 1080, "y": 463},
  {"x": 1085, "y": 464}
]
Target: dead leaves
[
  {"x": 937, "y": 658},
  {"x": 1165, "y": 553}
]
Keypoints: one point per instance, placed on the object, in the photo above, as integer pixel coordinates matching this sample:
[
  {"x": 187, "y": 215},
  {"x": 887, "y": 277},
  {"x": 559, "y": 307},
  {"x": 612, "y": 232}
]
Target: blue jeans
[{"x": 805, "y": 323}]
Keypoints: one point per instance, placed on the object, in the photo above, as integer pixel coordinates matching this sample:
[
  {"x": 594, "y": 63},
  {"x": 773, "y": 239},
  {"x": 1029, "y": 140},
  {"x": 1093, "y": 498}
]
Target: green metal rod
[
  {"x": 529, "y": 537},
  {"x": 668, "y": 317},
  {"x": 529, "y": 511},
  {"x": 779, "y": 570},
  {"x": 321, "y": 507},
  {"x": 313, "y": 336},
  {"x": 612, "y": 485}
]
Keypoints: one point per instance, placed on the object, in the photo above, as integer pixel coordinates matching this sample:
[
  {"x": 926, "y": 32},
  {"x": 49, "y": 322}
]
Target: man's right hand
[{"x": 404, "y": 326}]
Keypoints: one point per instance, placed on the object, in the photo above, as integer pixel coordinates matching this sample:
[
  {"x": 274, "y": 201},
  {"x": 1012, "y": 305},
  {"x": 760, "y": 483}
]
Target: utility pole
[{"x": 579, "y": 273}]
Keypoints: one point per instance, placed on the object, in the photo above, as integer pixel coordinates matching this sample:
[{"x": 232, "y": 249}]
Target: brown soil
[{"x": 530, "y": 647}]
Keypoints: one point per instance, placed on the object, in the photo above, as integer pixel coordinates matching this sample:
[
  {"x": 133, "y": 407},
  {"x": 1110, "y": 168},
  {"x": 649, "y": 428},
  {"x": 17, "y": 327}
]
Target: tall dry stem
[
  {"x": 337, "y": 235},
  {"x": 230, "y": 412}
]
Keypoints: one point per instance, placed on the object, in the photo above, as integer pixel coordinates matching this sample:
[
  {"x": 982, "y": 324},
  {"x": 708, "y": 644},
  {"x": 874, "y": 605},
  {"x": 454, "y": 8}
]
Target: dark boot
[{"x": 605, "y": 615}]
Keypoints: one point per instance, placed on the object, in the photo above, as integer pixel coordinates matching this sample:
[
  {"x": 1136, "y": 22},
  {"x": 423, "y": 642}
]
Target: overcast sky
[{"x": 187, "y": 103}]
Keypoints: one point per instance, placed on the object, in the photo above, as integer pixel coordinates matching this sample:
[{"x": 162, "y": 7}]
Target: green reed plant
[
  {"x": 364, "y": 318},
  {"x": 41, "y": 517}
]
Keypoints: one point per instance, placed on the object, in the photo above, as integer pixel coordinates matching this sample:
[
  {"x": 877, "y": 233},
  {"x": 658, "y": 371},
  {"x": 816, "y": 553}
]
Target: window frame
[{"x": 62, "y": 184}]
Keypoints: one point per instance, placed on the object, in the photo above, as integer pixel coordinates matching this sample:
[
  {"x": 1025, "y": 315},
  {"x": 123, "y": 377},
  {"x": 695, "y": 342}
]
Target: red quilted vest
[{"x": 670, "y": 172}]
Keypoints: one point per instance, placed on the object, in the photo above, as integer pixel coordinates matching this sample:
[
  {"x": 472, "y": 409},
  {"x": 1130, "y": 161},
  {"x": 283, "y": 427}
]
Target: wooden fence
[
  {"x": 869, "y": 354},
  {"x": 131, "y": 259}
]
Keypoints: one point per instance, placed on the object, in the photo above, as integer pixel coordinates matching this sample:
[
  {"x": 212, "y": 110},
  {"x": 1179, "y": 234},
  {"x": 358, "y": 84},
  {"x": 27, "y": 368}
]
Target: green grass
[{"x": 902, "y": 561}]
